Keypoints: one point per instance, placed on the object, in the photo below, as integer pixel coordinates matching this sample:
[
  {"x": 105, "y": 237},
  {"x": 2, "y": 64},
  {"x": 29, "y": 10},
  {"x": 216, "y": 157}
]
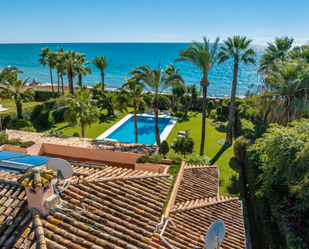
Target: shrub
[
  {"x": 43, "y": 95},
  {"x": 165, "y": 102},
  {"x": 165, "y": 148},
  {"x": 55, "y": 132},
  {"x": 18, "y": 124},
  {"x": 156, "y": 158},
  {"x": 13, "y": 141},
  {"x": 219, "y": 111},
  {"x": 184, "y": 145},
  {"x": 240, "y": 145},
  {"x": 210, "y": 106},
  {"x": 3, "y": 138},
  {"x": 213, "y": 113},
  {"x": 28, "y": 128},
  {"x": 174, "y": 169},
  {"x": 76, "y": 134},
  {"x": 247, "y": 128},
  {"x": 178, "y": 114},
  {"x": 27, "y": 144},
  {"x": 197, "y": 160},
  {"x": 176, "y": 160},
  {"x": 143, "y": 159},
  {"x": 58, "y": 114}
]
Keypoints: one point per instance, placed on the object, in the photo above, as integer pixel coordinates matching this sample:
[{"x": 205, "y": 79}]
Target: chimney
[{"x": 38, "y": 183}]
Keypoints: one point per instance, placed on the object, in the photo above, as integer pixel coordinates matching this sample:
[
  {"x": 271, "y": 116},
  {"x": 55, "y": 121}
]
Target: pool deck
[{"x": 163, "y": 135}]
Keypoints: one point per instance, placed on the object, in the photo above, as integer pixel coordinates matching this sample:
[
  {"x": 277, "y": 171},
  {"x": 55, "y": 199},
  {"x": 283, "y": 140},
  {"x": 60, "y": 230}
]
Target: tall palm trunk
[
  {"x": 58, "y": 85},
  {"x": 188, "y": 105},
  {"x": 156, "y": 107},
  {"x": 173, "y": 100},
  {"x": 70, "y": 75},
  {"x": 102, "y": 74},
  {"x": 135, "y": 121},
  {"x": 0, "y": 124},
  {"x": 80, "y": 79},
  {"x": 19, "y": 107},
  {"x": 51, "y": 81},
  {"x": 83, "y": 130},
  {"x": 203, "y": 121},
  {"x": 62, "y": 83},
  {"x": 229, "y": 129}
]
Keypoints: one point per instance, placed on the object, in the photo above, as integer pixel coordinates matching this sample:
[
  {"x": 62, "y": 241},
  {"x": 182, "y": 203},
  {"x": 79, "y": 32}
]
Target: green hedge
[
  {"x": 43, "y": 95},
  {"x": 58, "y": 114}
]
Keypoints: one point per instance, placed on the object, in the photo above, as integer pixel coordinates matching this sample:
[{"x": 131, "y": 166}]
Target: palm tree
[
  {"x": 238, "y": 49},
  {"x": 60, "y": 69},
  {"x": 14, "y": 88},
  {"x": 170, "y": 70},
  {"x": 132, "y": 93},
  {"x": 194, "y": 93},
  {"x": 300, "y": 52},
  {"x": 69, "y": 61},
  {"x": 49, "y": 58},
  {"x": 101, "y": 63},
  {"x": 275, "y": 52},
  {"x": 81, "y": 68},
  {"x": 286, "y": 98},
  {"x": 158, "y": 81},
  {"x": 203, "y": 56},
  {"x": 8, "y": 72},
  {"x": 82, "y": 110}
]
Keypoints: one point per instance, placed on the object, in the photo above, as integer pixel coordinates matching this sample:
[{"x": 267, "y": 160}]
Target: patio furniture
[{"x": 184, "y": 133}]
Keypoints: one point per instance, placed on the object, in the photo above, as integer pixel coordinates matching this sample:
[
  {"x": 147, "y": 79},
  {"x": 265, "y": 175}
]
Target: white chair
[{"x": 184, "y": 133}]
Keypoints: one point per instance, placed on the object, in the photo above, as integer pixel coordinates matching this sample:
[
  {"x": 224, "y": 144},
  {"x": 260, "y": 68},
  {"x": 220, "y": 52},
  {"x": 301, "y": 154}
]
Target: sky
[{"x": 40, "y": 21}]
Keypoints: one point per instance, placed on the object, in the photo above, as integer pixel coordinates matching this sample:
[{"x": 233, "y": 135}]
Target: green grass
[
  {"x": 10, "y": 104},
  {"x": 94, "y": 130},
  {"x": 230, "y": 172}
]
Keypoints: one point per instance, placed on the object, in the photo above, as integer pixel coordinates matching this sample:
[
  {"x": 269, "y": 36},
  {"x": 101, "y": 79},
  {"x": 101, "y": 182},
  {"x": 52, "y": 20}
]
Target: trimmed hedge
[
  {"x": 43, "y": 95},
  {"x": 165, "y": 102},
  {"x": 240, "y": 145}
]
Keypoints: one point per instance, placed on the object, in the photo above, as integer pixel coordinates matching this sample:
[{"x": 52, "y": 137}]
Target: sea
[{"x": 125, "y": 56}]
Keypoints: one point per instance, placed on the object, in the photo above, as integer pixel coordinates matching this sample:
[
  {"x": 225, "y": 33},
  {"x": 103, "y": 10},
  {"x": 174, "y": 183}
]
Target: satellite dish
[
  {"x": 215, "y": 235},
  {"x": 62, "y": 167}
]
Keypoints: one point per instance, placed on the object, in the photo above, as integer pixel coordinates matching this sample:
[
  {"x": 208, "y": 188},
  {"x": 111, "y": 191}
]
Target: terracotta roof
[
  {"x": 198, "y": 182},
  {"x": 36, "y": 177},
  {"x": 194, "y": 221},
  {"x": 123, "y": 204}
]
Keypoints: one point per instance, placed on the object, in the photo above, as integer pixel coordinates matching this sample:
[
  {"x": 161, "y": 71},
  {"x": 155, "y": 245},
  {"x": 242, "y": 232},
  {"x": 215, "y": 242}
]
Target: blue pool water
[{"x": 145, "y": 130}]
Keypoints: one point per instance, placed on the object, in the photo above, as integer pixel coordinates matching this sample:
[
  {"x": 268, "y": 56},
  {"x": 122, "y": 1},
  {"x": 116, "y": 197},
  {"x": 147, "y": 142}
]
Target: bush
[
  {"x": 176, "y": 160},
  {"x": 165, "y": 148},
  {"x": 240, "y": 145},
  {"x": 247, "y": 128},
  {"x": 178, "y": 114},
  {"x": 213, "y": 113},
  {"x": 30, "y": 129},
  {"x": 55, "y": 132},
  {"x": 210, "y": 106},
  {"x": 4, "y": 139},
  {"x": 76, "y": 134},
  {"x": 197, "y": 160},
  {"x": 156, "y": 158},
  {"x": 184, "y": 145},
  {"x": 165, "y": 102},
  {"x": 18, "y": 124},
  {"x": 143, "y": 159},
  {"x": 58, "y": 114},
  {"x": 43, "y": 95},
  {"x": 27, "y": 144},
  {"x": 174, "y": 169},
  {"x": 219, "y": 111}
]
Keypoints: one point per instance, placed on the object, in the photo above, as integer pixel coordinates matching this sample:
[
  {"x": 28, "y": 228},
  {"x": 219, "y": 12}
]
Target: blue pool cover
[
  {"x": 31, "y": 160},
  {"x": 6, "y": 155}
]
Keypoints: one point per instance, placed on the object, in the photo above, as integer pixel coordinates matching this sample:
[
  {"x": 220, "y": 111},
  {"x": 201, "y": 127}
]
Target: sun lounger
[{"x": 184, "y": 132}]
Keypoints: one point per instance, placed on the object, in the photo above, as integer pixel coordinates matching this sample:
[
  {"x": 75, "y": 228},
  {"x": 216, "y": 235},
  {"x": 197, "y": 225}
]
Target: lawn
[
  {"x": 94, "y": 130},
  {"x": 230, "y": 172},
  {"x": 10, "y": 104}
]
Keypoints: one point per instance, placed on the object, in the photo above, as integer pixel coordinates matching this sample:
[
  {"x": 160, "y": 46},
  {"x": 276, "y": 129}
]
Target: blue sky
[{"x": 35, "y": 21}]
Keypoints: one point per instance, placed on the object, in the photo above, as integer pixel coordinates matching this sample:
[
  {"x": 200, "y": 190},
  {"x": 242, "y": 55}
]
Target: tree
[
  {"x": 179, "y": 92},
  {"x": 14, "y": 88},
  {"x": 184, "y": 145},
  {"x": 49, "y": 58},
  {"x": 101, "y": 63},
  {"x": 170, "y": 70},
  {"x": 219, "y": 111},
  {"x": 157, "y": 81},
  {"x": 108, "y": 101},
  {"x": 238, "y": 49},
  {"x": 60, "y": 69},
  {"x": 194, "y": 93},
  {"x": 8, "y": 72},
  {"x": 210, "y": 106},
  {"x": 275, "y": 52},
  {"x": 285, "y": 98},
  {"x": 165, "y": 147},
  {"x": 82, "y": 111},
  {"x": 203, "y": 56},
  {"x": 69, "y": 61},
  {"x": 81, "y": 68},
  {"x": 132, "y": 93}
]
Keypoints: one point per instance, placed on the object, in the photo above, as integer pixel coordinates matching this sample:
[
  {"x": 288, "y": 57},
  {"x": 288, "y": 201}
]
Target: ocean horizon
[{"x": 125, "y": 56}]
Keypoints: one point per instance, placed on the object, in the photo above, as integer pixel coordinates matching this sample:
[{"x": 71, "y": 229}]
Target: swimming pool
[{"x": 123, "y": 131}]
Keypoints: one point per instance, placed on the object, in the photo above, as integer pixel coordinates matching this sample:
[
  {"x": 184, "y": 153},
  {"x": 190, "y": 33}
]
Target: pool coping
[{"x": 163, "y": 135}]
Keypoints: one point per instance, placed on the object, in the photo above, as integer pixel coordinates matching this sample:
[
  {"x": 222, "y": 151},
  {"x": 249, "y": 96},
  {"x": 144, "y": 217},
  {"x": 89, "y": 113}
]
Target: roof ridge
[
  {"x": 189, "y": 166},
  {"x": 123, "y": 178},
  {"x": 38, "y": 227},
  {"x": 9, "y": 181},
  {"x": 202, "y": 202}
]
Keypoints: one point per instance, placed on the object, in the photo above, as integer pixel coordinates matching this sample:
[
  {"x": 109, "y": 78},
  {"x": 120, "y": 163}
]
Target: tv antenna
[
  {"x": 215, "y": 235},
  {"x": 63, "y": 168}
]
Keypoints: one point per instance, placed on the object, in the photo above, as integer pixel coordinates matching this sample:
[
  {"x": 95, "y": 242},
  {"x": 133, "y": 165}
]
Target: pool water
[{"x": 145, "y": 130}]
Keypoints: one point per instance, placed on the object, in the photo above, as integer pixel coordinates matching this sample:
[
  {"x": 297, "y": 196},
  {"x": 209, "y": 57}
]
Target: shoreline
[{"x": 47, "y": 86}]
